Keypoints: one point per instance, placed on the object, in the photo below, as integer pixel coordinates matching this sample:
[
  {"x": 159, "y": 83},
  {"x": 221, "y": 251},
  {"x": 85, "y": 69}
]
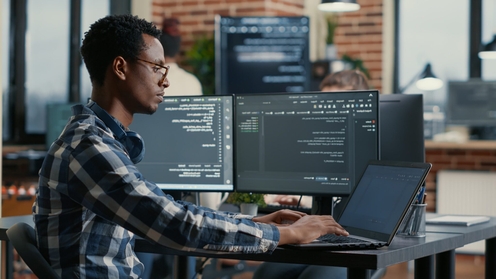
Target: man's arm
[{"x": 106, "y": 182}]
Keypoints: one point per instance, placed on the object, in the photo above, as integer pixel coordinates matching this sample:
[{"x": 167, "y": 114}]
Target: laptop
[
  {"x": 376, "y": 207},
  {"x": 458, "y": 220}
]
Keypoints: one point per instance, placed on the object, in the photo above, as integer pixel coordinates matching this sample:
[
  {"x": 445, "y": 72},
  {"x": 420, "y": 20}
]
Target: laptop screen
[{"x": 382, "y": 197}]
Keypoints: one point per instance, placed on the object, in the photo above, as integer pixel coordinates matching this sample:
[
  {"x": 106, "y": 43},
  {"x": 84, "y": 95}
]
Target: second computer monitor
[
  {"x": 402, "y": 127},
  {"x": 312, "y": 143}
]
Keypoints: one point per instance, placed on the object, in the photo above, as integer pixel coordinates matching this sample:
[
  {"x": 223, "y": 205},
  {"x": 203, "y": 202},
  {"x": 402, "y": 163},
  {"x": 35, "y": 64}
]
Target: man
[
  {"x": 92, "y": 201},
  {"x": 182, "y": 83}
]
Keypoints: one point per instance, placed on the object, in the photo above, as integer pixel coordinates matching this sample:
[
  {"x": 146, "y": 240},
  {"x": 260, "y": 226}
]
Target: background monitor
[
  {"x": 473, "y": 104},
  {"x": 261, "y": 54},
  {"x": 312, "y": 143},
  {"x": 401, "y": 127},
  {"x": 57, "y": 116},
  {"x": 188, "y": 143}
]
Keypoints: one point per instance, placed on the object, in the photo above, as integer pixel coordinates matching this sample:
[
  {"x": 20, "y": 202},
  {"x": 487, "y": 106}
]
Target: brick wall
[
  {"x": 197, "y": 16},
  {"x": 359, "y": 34},
  {"x": 456, "y": 158}
]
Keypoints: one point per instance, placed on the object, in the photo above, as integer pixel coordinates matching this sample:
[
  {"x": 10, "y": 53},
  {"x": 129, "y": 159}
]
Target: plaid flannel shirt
[{"x": 92, "y": 201}]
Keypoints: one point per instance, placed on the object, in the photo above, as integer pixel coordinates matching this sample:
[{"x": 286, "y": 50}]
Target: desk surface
[
  {"x": 470, "y": 234},
  {"x": 467, "y": 145},
  {"x": 438, "y": 239},
  {"x": 401, "y": 249}
]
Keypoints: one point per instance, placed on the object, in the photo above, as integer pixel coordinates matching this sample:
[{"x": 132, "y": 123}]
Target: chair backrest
[{"x": 23, "y": 239}]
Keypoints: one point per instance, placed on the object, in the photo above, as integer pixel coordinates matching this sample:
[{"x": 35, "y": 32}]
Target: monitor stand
[
  {"x": 181, "y": 263},
  {"x": 326, "y": 205}
]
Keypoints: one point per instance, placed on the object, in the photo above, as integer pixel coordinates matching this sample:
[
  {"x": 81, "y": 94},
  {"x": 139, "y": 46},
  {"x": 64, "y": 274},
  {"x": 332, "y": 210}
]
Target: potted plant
[
  {"x": 332, "y": 24},
  {"x": 201, "y": 58},
  {"x": 248, "y": 202}
]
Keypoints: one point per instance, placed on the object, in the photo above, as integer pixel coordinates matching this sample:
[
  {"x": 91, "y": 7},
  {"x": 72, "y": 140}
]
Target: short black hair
[{"x": 112, "y": 36}]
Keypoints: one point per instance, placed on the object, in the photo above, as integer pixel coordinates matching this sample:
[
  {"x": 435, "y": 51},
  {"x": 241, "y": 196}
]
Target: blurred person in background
[{"x": 182, "y": 82}]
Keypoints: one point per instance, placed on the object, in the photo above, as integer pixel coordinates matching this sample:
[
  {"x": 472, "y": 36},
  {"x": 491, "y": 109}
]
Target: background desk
[{"x": 485, "y": 231}]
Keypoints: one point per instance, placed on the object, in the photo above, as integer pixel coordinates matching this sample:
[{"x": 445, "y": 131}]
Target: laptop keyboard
[
  {"x": 275, "y": 207},
  {"x": 332, "y": 238}
]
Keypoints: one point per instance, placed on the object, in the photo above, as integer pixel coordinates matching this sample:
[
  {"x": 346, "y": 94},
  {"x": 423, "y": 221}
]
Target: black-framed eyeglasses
[{"x": 164, "y": 70}]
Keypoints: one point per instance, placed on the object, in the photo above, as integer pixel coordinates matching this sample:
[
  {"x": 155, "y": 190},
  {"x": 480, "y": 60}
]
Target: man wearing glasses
[{"x": 92, "y": 200}]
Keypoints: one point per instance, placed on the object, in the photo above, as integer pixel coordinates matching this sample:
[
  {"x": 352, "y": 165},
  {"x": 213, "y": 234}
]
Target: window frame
[{"x": 15, "y": 116}]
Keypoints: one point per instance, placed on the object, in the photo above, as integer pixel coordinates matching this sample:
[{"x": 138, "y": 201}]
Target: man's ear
[{"x": 120, "y": 67}]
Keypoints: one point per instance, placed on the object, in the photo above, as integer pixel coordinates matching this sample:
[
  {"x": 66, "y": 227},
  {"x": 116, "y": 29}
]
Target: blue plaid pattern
[{"x": 92, "y": 201}]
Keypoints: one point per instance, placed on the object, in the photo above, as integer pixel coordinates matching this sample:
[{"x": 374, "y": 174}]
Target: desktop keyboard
[{"x": 275, "y": 207}]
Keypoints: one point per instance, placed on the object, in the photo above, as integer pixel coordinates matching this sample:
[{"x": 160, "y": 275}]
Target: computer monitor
[
  {"x": 401, "y": 127},
  {"x": 311, "y": 143},
  {"x": 472, "y": 104},
  {"x": 57, "y": 116},
  {"x": 188, "y": 143},
  {"x": 260, "y": 54}
]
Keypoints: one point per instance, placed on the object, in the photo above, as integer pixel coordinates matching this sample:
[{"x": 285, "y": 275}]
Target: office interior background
[{"x": 393, "y": 39}]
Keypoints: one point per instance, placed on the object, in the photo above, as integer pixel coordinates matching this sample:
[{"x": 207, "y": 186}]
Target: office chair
[{"x": 23, "y": 239}]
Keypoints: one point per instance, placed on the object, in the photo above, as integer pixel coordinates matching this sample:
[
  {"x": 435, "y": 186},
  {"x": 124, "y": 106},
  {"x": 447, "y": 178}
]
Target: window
[
  {"x": 438, "y": 32},
  {"x": 91, "y": 11},
  {"x": 488, "y": 32},
  {"x": 36, "y": 61},
  {"x": 5, "y": 19},
  {"x": 47, "y": 59},
  {"x": 435, "y": 32}
]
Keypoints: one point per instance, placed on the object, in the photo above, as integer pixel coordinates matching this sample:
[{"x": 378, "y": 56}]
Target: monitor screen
[
  {"x": 401, "y": 127},
  {"x": 471, "y": 103},
  {"x": 312, "y": 143},
  {"x": 188, "y": 143},
  {"x": 261, "y": 54}
]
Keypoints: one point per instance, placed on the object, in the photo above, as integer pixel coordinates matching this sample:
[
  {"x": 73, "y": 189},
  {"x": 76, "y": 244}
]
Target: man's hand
[
  {"x": 280, "y": 217},
  {"x": 308, "y": 228}
]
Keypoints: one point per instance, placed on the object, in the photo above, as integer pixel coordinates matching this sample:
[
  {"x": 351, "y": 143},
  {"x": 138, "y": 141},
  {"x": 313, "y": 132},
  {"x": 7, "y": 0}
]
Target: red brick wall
[
  {"x": 359, "y": 34},
  {"x": 197, "y": 16},
  {"x": 455, "y": 159}
]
